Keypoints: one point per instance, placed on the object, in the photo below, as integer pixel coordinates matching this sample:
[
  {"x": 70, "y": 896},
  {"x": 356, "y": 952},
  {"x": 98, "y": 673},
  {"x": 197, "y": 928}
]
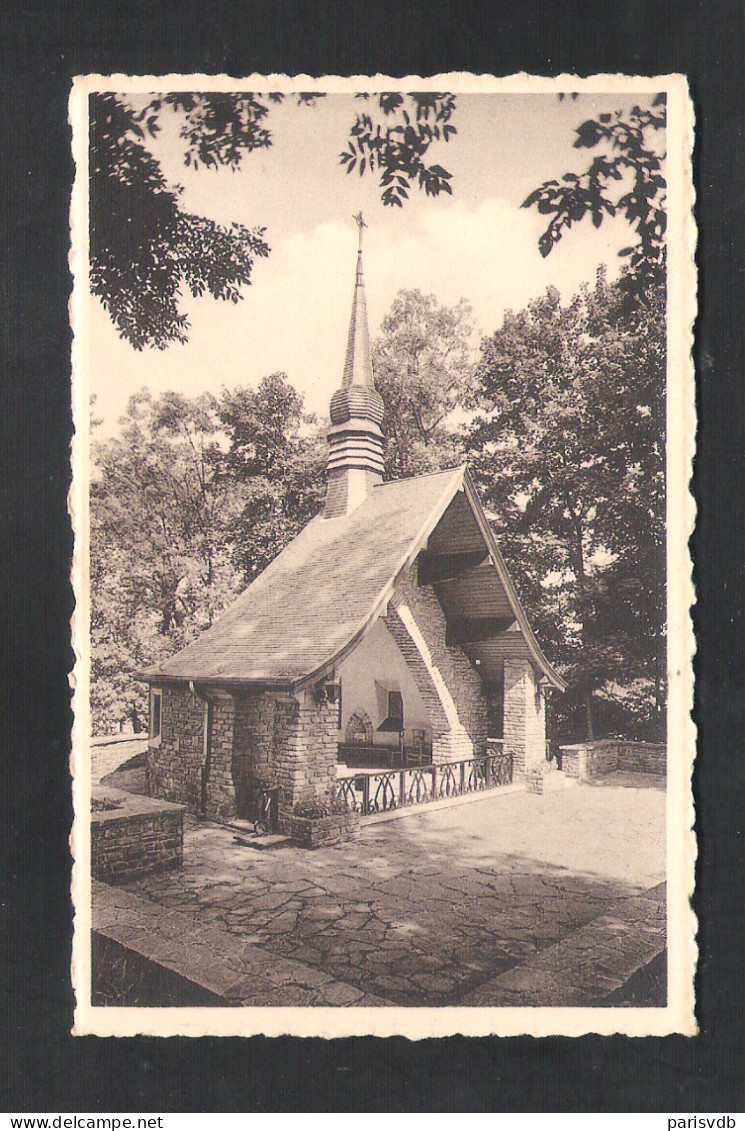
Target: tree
[
  {"x": 276, "y": 463},
  {"x": 412, "y": 123},
  {"x": 568, "y": 448},
  {"x": 160, "y": 568},
  {"x": 423, "y": 362},
  {"x": 145, "y": 249},
  {"x": 191, "y": 501},
  {"x": 626, "y": 178}
]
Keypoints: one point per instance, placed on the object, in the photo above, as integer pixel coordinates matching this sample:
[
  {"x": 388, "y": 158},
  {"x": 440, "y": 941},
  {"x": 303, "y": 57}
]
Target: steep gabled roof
[{"x": 311, "y": 606}]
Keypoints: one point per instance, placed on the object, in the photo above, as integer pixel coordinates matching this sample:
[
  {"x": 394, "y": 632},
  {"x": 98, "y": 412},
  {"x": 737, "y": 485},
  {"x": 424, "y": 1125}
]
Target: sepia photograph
[{"x": 384, "y": 424}]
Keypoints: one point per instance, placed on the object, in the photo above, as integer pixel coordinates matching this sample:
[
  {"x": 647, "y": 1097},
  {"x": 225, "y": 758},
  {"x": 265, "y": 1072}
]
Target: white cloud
[{"x": 294, "y": 316}]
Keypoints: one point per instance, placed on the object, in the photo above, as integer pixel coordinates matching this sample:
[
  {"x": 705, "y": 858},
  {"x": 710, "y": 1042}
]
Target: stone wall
[
  {"x": 448, "y": 683},
  {"x": 279, "y": 741},
  {"x": 253, "y": 742},
  {"x": 643, "y": 758},
  {"x": 177, "y": 769},
  {"x": 132, "y": 835},
  {"x": 323, "y": 832},
  {"x": 589, "y": 760},
  {"x": 174, "y": 761}
]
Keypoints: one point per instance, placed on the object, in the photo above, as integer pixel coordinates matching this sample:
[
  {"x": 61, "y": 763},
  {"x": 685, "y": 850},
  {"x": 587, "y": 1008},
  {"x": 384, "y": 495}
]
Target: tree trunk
[
  {"x": 579, "y": 568},
  {"x": 588, "y": 714}
]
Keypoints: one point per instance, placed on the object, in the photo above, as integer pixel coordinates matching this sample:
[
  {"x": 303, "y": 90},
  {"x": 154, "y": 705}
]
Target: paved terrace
[{"x": 517, "y": 899}]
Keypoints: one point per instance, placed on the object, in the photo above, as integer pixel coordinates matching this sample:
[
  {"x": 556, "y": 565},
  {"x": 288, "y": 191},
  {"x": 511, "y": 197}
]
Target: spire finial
[{"x": 360, "y": 222}]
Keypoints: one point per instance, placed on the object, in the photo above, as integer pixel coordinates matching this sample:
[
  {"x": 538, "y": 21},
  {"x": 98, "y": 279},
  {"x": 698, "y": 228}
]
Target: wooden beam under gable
[
  {"x": 471, "y": 630},
  {"x": 434, "y": 567},
  {"x": 475, "y": 593}
]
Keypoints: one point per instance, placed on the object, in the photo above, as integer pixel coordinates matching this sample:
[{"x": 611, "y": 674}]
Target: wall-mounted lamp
[{"x": 326, "y": 692}]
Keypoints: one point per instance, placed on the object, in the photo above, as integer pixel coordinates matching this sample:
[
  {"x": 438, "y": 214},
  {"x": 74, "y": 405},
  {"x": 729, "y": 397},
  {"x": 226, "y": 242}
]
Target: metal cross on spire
[{"x": 359, "y": 221}]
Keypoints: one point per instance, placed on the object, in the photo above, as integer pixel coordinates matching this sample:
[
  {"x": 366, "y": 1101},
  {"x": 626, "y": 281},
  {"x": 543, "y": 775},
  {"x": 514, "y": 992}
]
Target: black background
[{"x": 42, "y": 45}]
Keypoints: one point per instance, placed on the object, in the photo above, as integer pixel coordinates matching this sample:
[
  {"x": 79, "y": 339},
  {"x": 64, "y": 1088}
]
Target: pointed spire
[
  {"x": 358, "y": 360},
  {"x": 355, "y": 442}
]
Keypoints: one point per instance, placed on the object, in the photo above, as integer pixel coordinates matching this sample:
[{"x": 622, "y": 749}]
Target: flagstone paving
[{"x": 428, "y": 909}]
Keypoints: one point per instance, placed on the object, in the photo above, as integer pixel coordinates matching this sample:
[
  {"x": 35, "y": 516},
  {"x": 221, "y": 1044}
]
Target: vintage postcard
[{"x": 384, "y": 422}]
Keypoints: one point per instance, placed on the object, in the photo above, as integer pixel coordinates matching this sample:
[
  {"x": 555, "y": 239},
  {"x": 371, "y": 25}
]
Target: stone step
[
  {"x": 548, "y": 781},
  {"x": 240, "y": 825},
  {"x": 556, "y": 780},
  {"x": 262, "y": 843},
  {"x": 588, "y": 965}
]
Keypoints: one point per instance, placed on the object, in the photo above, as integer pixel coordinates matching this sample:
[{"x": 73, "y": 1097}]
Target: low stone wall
[
  {"x": 132, "y": 836},
  {"x": 122, "y": 976},
  {"x": 643, "y": 757},
  {"x": 588, "y": 760},
  {"x": 322, "y": 832}
]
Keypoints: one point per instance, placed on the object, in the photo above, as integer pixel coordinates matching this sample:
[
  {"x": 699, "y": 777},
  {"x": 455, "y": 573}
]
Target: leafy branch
[
  {"x": 397, "y": 151},
  {"x": 626, "y": 179},
  {"x": 146, "y": 251}
]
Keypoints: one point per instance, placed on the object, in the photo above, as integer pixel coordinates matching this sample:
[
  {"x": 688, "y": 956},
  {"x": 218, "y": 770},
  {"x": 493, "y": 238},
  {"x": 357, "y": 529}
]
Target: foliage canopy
[
  {"x": 568, "y": 450},
  {"x": 423, "y": 361},
  {"x": 625, "y": 178},
  {"x": 146, "y": 250}
]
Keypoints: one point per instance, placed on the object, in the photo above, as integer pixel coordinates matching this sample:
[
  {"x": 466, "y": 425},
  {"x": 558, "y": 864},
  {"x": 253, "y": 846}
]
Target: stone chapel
[{"x": 387, "y": 633}]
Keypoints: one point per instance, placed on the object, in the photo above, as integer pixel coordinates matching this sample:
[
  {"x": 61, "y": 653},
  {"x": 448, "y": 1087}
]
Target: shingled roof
[{"x": 310, "y": 607}]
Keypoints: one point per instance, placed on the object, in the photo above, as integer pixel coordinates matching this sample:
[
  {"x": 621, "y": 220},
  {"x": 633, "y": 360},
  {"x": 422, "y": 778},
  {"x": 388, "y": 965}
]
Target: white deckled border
[{"x": 678, "y": 1016}]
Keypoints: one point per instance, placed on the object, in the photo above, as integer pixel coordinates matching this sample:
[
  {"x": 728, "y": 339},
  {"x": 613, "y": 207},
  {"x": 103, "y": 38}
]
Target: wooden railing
[{"x": 381, "y": 791}]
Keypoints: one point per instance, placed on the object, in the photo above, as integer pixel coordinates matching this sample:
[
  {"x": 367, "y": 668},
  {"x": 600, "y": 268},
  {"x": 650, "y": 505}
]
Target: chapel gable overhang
[
  {"x": 484, "y": 617},
  {"x": 315, "y": 602},
  {"x": 456, "y": 552}
]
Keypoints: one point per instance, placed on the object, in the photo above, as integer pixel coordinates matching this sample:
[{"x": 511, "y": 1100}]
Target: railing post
[
  {"x": 402, "y": 789},
  {"x": 366, "y": 794},
  {"x": 462, "y": 778},
  {"x": 434, "y": 781}
]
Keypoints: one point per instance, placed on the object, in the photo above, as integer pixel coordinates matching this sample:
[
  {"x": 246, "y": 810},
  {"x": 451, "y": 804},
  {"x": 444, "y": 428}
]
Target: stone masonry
[
  {"x": 219, "y": 787},
  {"x": 253, "y": 746},
  {"x": 174, "y": 761},
  {"x": 280, "y": 741},
  {"x": 524, "y": 718},
  {"x": 448, "y": 683},
  {"x": 587, "y": 761},
  {"x": 132, "y": 836},
  {"x": 304, "y": 754}
]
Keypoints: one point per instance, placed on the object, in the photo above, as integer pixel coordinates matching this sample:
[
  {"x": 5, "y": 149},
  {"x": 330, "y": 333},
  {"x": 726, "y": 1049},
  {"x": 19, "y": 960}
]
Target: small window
[
  {"x": 156, "y": 701},
  {"x": 394, "y": 721}
]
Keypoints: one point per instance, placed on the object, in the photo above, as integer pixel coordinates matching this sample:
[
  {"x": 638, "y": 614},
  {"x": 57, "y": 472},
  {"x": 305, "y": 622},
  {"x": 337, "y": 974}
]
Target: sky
[{"x": 477, "y": 244}]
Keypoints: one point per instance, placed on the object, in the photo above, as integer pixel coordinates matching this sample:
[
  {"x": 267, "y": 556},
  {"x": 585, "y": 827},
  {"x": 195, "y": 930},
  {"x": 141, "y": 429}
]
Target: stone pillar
[
  {"x": 524, "y": 718},
  {"x": 219, "y": 784},
  {"x": 304, "y": 751}
]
